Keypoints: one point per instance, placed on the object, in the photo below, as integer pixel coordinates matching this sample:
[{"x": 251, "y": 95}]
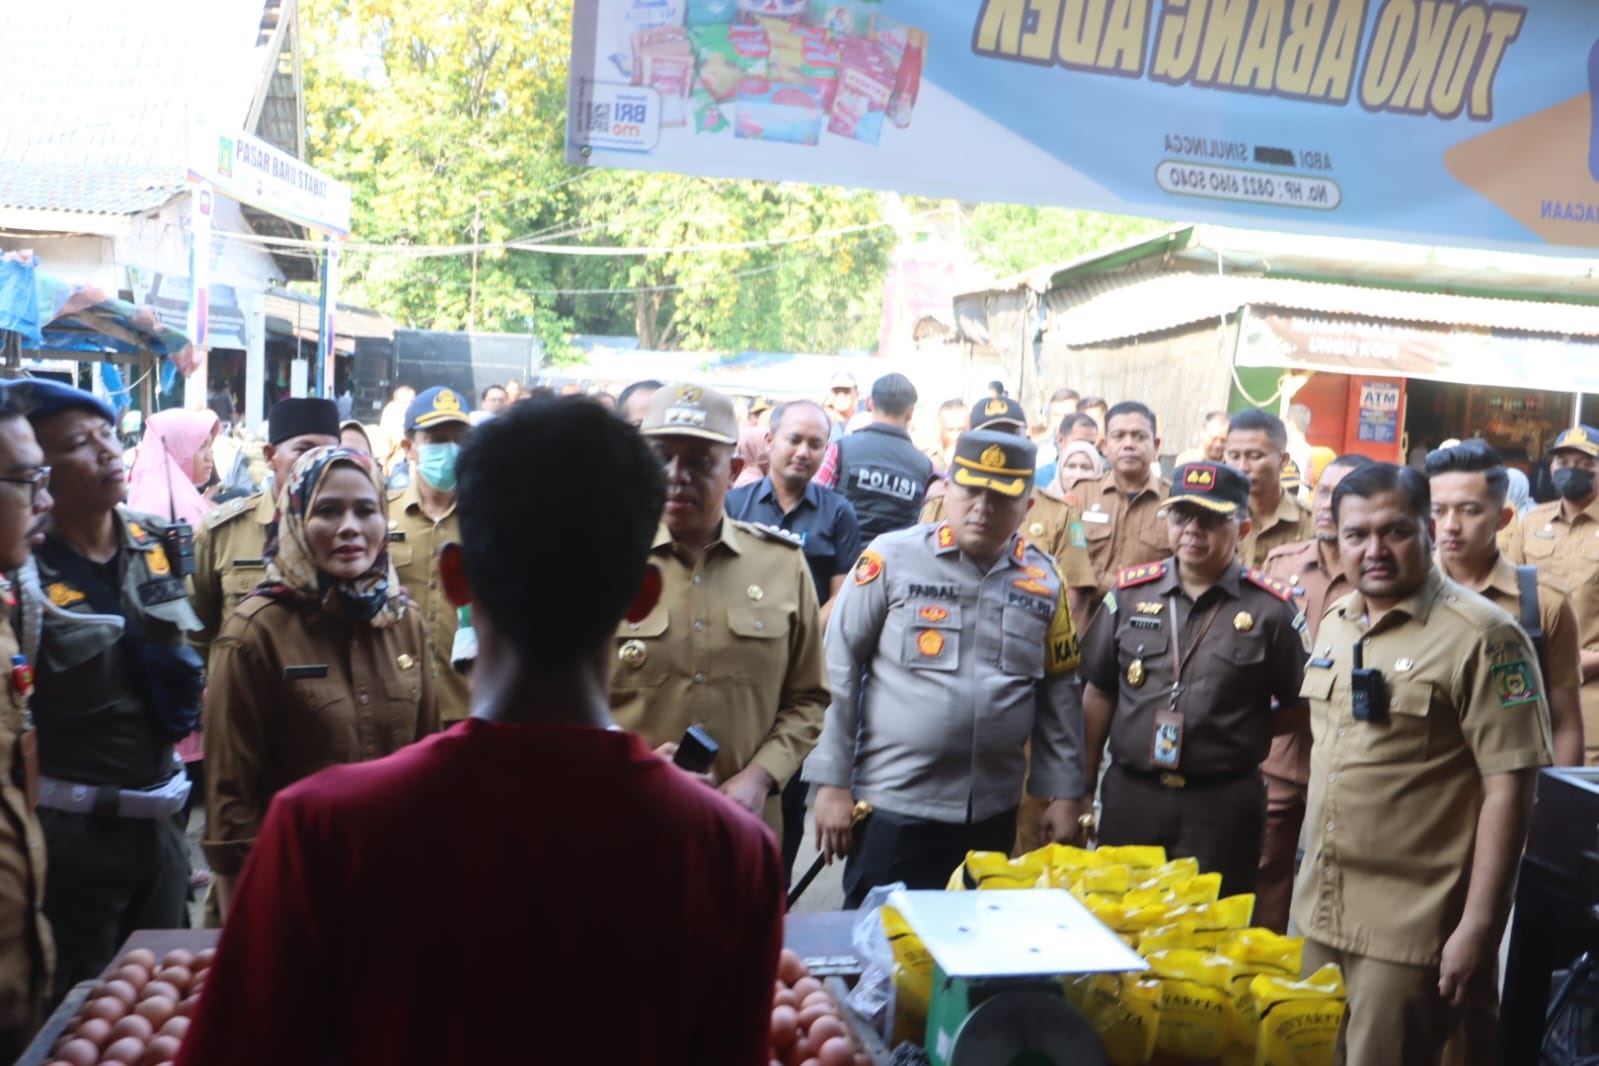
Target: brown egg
[
  {"x": 178, "y": 957},
  {"x": 836, "y": 1052},
  {"x": 95, "y": 1030},
  {"x": 176, "y": 976},
  {"x": 790, "y": 967},
  {"x": 158, "y": 1009},
  {"x": 134, "y": 1025},
  {"x": 162, "y": 1049},
  {"x": 177, "y": 1026},
  {"x": 139, "y": 957},
  {"x": 79, "y": 1053},
  {"x": 203, "y": 959},
  {"x": 809, "y": 1015},
  {"x": 785, "y": 1026},
  {"x": 798, "y": 1052},
  {"x": 108, "y": 1007},
  {"x": 786, "y": 998},
  {"x": 137, "y": 976},
  {"x": 824, "y": 1029},
  {"x": 806, "y": 985},
  {"x": 186, "y": 1007},
  {"x": 160, "y": 988},
  {"x": 128, "y": 1049},
  {"x": 820, "y": 996},
  {"x": 118, "y": 988}
]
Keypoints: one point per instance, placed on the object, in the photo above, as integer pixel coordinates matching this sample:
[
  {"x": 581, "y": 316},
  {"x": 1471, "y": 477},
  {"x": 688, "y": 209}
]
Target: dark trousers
[
  {"x": 1221, "y": 825},
  {"x": 1285, "y": 816},
  {"x": 795, "y": 793},
  {"x": 891, "y": 847},
  {"x": 108, "y": 877}
]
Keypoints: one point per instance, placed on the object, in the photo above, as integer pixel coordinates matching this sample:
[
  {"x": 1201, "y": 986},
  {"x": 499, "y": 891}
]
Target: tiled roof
[{"x": 99, "y": 96}]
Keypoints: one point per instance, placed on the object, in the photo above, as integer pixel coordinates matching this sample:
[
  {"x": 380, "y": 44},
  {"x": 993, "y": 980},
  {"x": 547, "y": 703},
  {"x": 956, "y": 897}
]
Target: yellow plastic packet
[
  {"x": 1122, "y": 1009},
  {"x": 1164, "y": 938},
  {"x": 1136, "y": 856},
  {"x": 913, "y": 978},
  {"x": 1258, "y": 952},
  {"x": 1299, "y": 1020},
  {"x": 1169, "y": 873},
  {"x": 1063, "y": 864},
  {"x": 1194, "y": 1003},
  {"x": 1213, "y": 922},
  {"x": 1104, "y": 880},
  {"x": 995, "y": 869},
  {"x": 1202, "y": 888}
]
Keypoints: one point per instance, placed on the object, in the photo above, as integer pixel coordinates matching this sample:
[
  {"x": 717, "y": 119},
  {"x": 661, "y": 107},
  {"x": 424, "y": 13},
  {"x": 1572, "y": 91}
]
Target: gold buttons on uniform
[
  {"x": 1404, "y": 664},
  {"x": 754, "y": 592},
  {"x": 1135, "y": 673},
  {"x": 633, "y": 654},
  {"x": 1036, "y": 529},
  {"x": 405, "y": 661},
  {"x": 1243, "y": 621}
]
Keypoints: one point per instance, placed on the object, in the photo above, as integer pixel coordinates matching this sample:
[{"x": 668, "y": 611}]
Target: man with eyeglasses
[
  {"x": 26, "y": 950},
  {"x": 116, "y": 686},
  {"x": 1182, "y": 667},
  {"x": 734, "y": 644}
]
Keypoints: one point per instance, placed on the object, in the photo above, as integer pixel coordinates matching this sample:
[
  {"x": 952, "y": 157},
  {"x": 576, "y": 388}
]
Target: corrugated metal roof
[
  {"x": 99, "y": 96},
  {"x": 298, "y": 315},
  {"x": 1107, "y": 307}
]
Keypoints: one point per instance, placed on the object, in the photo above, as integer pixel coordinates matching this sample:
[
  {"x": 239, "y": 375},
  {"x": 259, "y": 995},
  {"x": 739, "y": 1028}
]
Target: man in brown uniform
[
  {"x": 1257, "y": 446},
  {"x": 26, "y": 950},
  {"x": 1182, "y": 667},
  {"x": 1469, "y": 483},
  {"x": 1561, "y": 538},
  {"x": 227, "y": 548},
  {"x": 1122, "y": 521},
  {"x": 1312, "y": 571},
  {"x": 1426, "y": 747},
  {"x": 421, "y": 521},
  {"x": 734, "y": 644}
]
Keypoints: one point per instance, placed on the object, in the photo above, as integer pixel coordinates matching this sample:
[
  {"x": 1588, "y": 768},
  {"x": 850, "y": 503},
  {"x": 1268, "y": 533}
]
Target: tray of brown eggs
[{"x": 136, "y": 1014}]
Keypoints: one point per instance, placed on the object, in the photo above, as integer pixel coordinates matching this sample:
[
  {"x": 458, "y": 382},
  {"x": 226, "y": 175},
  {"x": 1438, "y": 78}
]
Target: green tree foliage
[
  {"x": 1011, "y": 238},
  {"x": 447, "y": 117}
]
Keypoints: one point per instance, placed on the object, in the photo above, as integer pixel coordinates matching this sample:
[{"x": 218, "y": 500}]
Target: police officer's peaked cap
[
  {"x": 302, "y": 416},
  {"x": 1216, "y": 488},
  {"x": 1578, "y": 439},
  {"x": 683, "y": 410},
  {"x": 436, "y": 407},
  {"x": 47, "y": 397},
  {"x": 1002, "y": 462},
  {"x": 995, "y": 412}
]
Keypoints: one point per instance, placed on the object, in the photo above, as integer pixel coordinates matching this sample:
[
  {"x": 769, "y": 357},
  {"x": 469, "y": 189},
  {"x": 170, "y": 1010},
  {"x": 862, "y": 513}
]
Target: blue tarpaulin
[{"x": 52, "y": 315}]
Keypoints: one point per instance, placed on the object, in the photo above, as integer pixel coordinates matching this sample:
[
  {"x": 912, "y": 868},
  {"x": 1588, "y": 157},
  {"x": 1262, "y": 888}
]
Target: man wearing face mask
[
  {"x": 422, "y": 520},
  {"x": 1561, "y": 539}
]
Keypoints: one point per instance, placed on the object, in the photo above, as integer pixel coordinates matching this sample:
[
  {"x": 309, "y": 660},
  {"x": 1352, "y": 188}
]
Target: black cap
[
  {"x": 47, "y": 397},
  {"x": 302, "y": 415},
  {"x": 997, "y": 411},
  {"x": 1216, "y": 488},
  {"x": 988, "y": 459}
]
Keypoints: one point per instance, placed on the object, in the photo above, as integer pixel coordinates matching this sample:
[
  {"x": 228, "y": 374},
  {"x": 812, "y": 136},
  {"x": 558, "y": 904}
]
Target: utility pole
[{"x": 477, "y": 229}]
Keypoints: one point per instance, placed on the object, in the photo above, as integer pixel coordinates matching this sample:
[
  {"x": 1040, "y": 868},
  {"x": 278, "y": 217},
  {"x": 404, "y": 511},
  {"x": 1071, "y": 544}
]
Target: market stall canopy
[{"x": 52, "y": 315}]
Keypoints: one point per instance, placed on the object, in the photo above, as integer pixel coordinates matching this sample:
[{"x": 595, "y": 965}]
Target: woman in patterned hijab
[{"x": 321, "y": 664}]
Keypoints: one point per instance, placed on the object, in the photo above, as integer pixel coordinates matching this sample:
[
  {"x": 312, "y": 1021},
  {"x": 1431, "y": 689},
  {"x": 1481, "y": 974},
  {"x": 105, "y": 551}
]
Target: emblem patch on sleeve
[
  {"x": 1513, "y": 682},
  {"x": 868, "y": 568}
]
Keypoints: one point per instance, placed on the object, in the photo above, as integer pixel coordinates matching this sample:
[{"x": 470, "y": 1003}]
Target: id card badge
[{"x": 1166, "y": 748}]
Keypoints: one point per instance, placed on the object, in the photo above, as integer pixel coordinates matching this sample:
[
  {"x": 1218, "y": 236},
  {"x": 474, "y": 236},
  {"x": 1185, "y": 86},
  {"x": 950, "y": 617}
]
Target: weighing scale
[{"x": 998, "y": 958}]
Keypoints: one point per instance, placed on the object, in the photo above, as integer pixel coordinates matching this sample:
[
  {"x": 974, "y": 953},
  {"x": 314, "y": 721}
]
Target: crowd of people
[{"x": 523, "y": 684}]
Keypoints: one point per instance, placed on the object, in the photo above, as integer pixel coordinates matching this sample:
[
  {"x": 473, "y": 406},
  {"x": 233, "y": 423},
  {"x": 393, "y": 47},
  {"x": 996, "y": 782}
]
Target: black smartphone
[
  {"x": 1366, "y": 691},
  {"x": 696, "y": 751}
]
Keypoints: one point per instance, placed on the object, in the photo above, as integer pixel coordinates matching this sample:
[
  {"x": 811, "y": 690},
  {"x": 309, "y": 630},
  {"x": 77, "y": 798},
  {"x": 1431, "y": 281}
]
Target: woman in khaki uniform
[{"x": 324, "y": 663}]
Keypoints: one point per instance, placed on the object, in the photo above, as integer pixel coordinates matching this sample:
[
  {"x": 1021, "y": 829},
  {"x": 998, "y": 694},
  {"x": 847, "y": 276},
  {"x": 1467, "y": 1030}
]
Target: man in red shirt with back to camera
[{"x": 483, "y": 895}]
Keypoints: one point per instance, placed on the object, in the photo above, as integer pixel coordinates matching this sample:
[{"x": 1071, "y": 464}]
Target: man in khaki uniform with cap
[
  {"x": 734, "y": 644},
  {"x": 1257, "y": 447},
  {"x": 1182, "y": 665},
  {"x": 1561, "y": 538},
  {"x": 1430, "y": 723},
  {"x": 963, "y": 631},
  {"x": 421, "y": 521},
  {"x": 228, "y": 559},
  {"x": 1122, "y": 512}
]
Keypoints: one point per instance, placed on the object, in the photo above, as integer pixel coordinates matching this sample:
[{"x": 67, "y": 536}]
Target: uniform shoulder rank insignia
[
  {"x": 1270, "y": 584},
  {"x": 773, "y": 533},
  {"x": 64, "y": 595},
  {"x": 1027, "y": 584},
  {"x": 868, "y": 568},
  {"x": 156, "y": 559},
  {"x": 1140, "y": 575},
  {"x": 1021, "y": 549},
  {"x": 945, "y": 537},
  {"x": 139, "y": 533}
]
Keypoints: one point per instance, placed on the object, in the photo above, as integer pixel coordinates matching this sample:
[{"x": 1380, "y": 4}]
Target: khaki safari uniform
[
  {"x": 111, "y": 870},
  {"x": 414, "y": 543},
  {"x": 1287, "y": 767},
  {"x": 1193, "y": 684},
  {"x": 294, "y": 689},
  {"x": 734, "y": 646},
  {"x": 1394, "y": 801},
  {"x": 1566, "y": 551},
  {"x": 27, "y": 952},
  {"x": 228, "y": 562},
  {"x": 1054, "y": 526},
  {"x": 1291, "y": 522},
  {"x": 1562, "y": 639},
  {"x": 1123, "y": 532}
]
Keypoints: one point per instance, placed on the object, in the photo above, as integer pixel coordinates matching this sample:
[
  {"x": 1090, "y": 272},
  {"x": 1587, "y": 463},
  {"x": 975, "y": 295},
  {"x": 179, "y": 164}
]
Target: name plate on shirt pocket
[{"x": 304, "y": 673}]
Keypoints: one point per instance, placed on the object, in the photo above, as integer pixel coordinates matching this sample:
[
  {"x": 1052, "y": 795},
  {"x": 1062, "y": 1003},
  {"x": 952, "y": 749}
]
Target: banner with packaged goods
[
  {"x": 1461, "y": 122},
  {"x": 1461, "y": 354}
]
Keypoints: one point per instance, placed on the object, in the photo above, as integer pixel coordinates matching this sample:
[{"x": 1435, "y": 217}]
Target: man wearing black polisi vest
[{"x": 877, "y": 468}]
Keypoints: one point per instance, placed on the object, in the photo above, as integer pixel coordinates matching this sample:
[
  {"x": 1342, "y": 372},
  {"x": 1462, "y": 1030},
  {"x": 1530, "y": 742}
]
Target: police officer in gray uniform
[
  {"x": 962, "y": 632},
  {"x": 116, "y": 686}
]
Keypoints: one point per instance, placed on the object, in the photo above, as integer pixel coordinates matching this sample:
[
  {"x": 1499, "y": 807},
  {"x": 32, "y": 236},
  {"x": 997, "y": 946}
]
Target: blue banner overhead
[{"x": 1441, "y": 121}]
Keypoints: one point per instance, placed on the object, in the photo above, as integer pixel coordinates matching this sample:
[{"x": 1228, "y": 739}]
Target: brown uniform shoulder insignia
[
  {"x": 1140, "y": 575},
  {"x": 1270, "y": 584},
  {"x": 771, "y": 533}
]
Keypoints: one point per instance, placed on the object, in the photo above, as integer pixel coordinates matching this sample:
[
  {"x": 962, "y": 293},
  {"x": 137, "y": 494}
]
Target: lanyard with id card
[{"x": 1166, "y": 746}]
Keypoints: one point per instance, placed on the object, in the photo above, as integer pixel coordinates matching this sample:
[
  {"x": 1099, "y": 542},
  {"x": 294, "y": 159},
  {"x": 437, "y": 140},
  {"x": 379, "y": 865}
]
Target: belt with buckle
[{"x": 1188, "y": 780}]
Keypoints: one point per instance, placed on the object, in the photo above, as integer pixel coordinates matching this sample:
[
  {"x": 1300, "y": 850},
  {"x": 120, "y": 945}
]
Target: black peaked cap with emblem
[
  {"x": 986, "y": 459},
  {"x": 995, "y": 412},
  {"x": 1216, "y": 488}
]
